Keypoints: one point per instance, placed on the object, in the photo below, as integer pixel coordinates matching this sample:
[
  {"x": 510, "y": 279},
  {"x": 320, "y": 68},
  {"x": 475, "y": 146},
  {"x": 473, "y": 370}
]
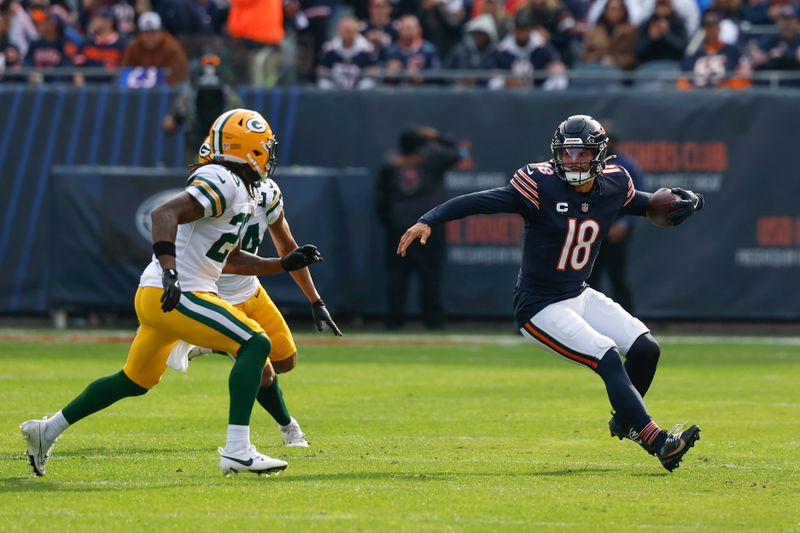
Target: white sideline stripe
[{"x": 216, "y": 317}]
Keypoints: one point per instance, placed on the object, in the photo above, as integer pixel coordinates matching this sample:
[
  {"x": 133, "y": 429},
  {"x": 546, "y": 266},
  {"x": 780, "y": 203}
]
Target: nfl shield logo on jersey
[{"x": 585, "y": 207}]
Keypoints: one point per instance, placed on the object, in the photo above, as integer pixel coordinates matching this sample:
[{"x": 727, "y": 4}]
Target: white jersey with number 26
[
  {"x": 237, "y": 289},
  {"x": 202, "y": 246}
]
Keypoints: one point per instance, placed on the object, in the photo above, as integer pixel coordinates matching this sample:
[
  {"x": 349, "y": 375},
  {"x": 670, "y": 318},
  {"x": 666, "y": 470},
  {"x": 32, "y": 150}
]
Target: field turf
[{"x": 441, "y": 433}]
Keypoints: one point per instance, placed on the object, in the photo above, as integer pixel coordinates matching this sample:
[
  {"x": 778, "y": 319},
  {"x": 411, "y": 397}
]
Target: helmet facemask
[
  {"x": 578, "y": 162},
  {"x": 270, "y": 147}
]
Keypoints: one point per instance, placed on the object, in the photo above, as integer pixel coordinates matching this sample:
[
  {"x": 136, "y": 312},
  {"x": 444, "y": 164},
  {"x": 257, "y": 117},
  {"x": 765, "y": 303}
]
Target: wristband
[{"x": 164, "y": 248}]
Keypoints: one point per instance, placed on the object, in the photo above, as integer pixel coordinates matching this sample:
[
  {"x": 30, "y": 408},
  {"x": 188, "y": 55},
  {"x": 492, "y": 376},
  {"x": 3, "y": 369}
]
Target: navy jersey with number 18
[{"x": 562, "y": 232}]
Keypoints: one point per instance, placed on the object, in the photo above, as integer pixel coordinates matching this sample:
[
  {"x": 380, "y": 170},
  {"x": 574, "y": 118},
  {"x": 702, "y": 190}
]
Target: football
[{"x": 660, "y": 206}]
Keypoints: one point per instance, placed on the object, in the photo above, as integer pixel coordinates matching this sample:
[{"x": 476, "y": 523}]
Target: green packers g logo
[
  {"x": 205, "y": 151},
  {"x": 256, "y": 125}
]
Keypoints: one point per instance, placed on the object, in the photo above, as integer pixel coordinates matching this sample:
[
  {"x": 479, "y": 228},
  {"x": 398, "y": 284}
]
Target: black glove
[
  {"x": 172, "y": 290},
  {"x": 321, "y": 314},
  {"x": 689, "y": 203},
  {"x": 300, "y": 258}
]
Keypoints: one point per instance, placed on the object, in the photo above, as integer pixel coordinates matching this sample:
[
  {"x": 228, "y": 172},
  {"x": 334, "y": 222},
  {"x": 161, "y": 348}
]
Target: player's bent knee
[
  {"x": 285, "y": 365},
  {"x": 645, "y": 347},
  {"x": 610, "y": 364},
  {"x": 258, "y": 346},
  {"x": 129, "y": 387}
]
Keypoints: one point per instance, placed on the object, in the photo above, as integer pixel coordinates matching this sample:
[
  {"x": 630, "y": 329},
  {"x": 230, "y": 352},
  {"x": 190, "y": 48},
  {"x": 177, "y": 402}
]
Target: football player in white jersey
[
  {"x": 196, "y": 235},
  {"x": 247, "y": 294}
]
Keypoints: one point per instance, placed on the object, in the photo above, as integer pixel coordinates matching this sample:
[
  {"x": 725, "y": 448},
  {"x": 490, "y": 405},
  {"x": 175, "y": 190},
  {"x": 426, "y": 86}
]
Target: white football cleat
[
  {"x": 292, "y": 435},
  {"x": 39, "y": 448},
  {"x": 249, "y": 460}
]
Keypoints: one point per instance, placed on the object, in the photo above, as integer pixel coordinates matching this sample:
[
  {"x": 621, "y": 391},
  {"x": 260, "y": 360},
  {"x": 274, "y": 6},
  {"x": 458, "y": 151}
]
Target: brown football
[{"x": 660, "y": 206}]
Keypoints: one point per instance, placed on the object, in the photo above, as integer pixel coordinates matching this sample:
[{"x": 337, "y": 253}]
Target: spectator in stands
[
  {"x": 715, "y": 64},
  {"x": 50, "y": 50},
  {"x": 409, "y": 183},
  {"x": 253, "y": 25},
  {"x": 123, "y": 14},
  {"x": 411, "y": 53},
  {"x": 782, "y": 51},
  {"x": 9, "y": 55},
  {"x": 199, "y": 104},
  {"x": 156, "y": 48},
  {"x": 613, "y": 39},
  {"x": 556, "y": 24},
  {"x": 497, "y": 10},
  {"x": 441, "y": 22},
  {"x": 103, "y": 46},
  {"x": 662, "y": 36},
  {"x": 349, "y": 61},
  {"x": 732, "y": 14},
  {"x": 21, "y": 29},
  {"x": 641, "y": 10},
  {"x": 476, "y": 49},
  {"x": 524, "y": 53},
  {"x": 73, "y": 39},
  {"x": 379, "y": 28}
]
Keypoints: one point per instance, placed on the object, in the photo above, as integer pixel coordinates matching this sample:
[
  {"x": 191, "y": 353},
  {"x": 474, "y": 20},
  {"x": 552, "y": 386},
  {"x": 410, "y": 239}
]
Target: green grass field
[{"x": 445, "y": 434}]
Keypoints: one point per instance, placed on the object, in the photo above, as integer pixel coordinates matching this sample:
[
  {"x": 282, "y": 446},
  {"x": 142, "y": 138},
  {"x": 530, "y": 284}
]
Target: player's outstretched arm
[
  {"x": 247, "y": 264},
  {"x": 284, "y": 241},
  {"x": 492, "y": 201}
]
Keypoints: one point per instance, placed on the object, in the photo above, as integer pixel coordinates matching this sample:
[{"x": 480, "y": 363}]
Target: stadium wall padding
[{"x": 68, "y": 235}]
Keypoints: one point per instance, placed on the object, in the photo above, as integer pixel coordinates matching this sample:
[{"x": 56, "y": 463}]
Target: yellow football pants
[
  {"x": 201, "y": 318},
  {"x": 264, "y": 311}
]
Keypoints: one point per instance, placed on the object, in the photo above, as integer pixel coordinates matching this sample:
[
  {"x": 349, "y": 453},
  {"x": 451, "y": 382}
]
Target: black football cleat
[
  {"x": 617, "y": 428},
  {"x": 677, "y": 445},
  {"x": 622, "y": 430}
]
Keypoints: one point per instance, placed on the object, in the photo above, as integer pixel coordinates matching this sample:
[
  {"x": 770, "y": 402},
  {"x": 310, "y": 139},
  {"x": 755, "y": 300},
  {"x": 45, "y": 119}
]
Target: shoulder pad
[
  {"x": 525, "y": 181},
  {"x": 544, "y": 168},
  {"x": 271, "y": 200},
  {"x": 214, "y": 186}
]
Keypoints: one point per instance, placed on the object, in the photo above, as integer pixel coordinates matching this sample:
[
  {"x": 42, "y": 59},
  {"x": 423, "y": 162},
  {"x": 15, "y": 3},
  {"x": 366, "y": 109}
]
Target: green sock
[
  {"x": 100, "y": 394},
  {"x": 271, "y": 399},
  {"x": 245, "y": 378}
]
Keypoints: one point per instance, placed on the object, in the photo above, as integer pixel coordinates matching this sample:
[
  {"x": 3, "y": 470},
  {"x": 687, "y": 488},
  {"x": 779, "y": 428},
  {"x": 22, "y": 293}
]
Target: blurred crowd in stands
[{"x": 360, "y": 43}]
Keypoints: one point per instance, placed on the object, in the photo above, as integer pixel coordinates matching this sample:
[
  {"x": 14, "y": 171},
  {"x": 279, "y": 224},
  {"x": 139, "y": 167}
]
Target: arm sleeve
[
  {"x": 499, "y": 200},
  {"x": 637, "y": 205}
]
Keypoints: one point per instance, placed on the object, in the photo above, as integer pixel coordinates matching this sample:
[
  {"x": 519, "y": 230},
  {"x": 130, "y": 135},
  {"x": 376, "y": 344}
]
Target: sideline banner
[{"x": 739, "y": 259}]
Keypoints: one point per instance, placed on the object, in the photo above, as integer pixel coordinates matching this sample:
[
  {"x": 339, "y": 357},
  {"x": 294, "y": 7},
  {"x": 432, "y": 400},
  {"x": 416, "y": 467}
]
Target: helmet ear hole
[{"x": 257, "y": 153}]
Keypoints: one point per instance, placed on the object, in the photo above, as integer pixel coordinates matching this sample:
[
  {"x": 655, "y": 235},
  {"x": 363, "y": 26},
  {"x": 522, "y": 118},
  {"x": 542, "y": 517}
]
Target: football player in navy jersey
[{"x": 568, "y": 204}]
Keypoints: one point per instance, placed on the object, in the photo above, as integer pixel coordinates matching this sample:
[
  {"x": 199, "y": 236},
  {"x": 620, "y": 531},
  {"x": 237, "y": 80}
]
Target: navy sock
[
  {"x": 641, "y": 361},
  {"x": 624, "y": 397}
]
